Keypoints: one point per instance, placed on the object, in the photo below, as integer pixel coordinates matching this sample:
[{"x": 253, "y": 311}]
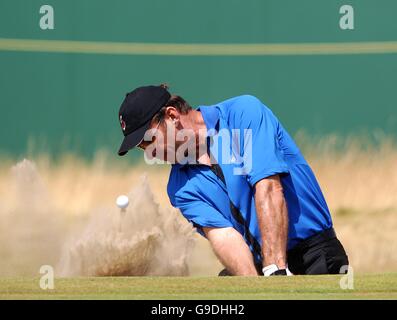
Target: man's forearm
[
  {"x": 232, "y": 251},
  {"x": 272, "y": 215}
]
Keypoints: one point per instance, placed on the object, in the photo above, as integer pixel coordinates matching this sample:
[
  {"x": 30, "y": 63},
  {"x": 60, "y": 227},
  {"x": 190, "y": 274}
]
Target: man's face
[
  {"x": 155, "y": 141},
  {"x": 163, "y": 139}
]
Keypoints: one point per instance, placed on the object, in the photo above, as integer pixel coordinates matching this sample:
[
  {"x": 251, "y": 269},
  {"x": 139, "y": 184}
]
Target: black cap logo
[{"x": 122, "y": 123}]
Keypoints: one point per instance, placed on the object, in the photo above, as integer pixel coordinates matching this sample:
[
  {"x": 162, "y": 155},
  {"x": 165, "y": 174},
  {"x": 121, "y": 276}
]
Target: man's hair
[{"x": 175, "y": 101}]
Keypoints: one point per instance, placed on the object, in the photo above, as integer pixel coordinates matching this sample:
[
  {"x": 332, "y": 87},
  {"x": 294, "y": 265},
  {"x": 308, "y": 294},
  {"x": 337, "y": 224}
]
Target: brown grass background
[{"x": 359, "y": 181}]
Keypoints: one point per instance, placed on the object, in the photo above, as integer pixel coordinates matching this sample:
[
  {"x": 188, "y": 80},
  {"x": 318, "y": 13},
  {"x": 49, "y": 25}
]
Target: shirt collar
[{"x": 210, "y": 115}]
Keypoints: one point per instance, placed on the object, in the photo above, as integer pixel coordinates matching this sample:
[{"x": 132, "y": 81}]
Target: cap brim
[{"x": 133, "y": 139}]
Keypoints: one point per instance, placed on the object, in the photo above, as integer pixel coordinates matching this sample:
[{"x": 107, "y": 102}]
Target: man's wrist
[{"x": 274, "y": 270}]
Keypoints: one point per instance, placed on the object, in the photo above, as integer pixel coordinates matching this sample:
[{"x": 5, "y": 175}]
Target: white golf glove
[{"x": 273, "y": 270}]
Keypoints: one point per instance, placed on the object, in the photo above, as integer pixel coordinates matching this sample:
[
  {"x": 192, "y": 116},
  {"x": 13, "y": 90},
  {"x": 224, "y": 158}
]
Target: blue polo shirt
[{"x": 258, "y": 147}]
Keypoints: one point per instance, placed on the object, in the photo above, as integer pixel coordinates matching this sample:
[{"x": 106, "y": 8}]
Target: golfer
[{"x": 240, "y": 179}]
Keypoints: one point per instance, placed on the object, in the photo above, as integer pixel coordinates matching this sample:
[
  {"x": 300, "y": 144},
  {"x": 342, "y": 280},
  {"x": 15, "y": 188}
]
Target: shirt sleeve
[
  {"x": 202, "y": 215},
  {"x": 260, "y": 148}
]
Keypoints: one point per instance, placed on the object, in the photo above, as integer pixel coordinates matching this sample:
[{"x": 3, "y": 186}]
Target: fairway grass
[{"x": 371, "y": 286}]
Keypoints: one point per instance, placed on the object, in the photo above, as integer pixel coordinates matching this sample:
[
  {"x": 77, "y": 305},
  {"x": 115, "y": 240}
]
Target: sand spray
[{"x": 144, "y": 239}]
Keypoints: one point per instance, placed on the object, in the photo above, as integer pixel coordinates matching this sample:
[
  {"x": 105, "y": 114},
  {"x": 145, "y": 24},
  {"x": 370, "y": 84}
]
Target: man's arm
[
  {"x": 272, "y": 215},
  {"x": 231, "y": 249}
]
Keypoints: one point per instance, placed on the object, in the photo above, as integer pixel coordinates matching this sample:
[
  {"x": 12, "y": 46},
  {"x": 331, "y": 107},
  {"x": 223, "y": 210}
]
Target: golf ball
[{"x": 122, "y": 201}]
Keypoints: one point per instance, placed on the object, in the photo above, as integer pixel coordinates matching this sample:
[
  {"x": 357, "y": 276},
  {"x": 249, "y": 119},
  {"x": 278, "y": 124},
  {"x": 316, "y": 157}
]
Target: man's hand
[
  {"x": 273, "y": 270},
  {"x": 272, "y": 215}
]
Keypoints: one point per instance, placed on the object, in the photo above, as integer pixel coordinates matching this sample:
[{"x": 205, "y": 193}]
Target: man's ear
[{"x": 173, "y": 114}]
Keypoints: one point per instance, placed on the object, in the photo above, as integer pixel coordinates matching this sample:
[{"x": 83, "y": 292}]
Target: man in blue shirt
[{"x": 238, "y": 176}]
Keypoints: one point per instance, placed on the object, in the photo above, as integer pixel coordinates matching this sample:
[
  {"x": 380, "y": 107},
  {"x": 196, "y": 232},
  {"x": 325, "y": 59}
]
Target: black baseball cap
[{"x": 136, "y": 112}]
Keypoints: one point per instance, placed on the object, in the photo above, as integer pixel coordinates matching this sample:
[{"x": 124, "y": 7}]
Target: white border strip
[{"x": 178, "y": 49}]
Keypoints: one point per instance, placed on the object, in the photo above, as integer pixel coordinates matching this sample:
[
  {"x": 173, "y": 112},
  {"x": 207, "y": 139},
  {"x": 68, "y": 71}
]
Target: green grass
[{"x": 372, "y": 286}]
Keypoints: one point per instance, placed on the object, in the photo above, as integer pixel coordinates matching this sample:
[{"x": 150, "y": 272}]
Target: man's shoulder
[
  {"x": 241, "y": 99},
  {"x": 243, "y": 109},
  {"x": 178, "y": 184},
  {"x": 173, "y": 184},
  {"x": 244, "y": 102},
  {"x": 186, "y": 184}
]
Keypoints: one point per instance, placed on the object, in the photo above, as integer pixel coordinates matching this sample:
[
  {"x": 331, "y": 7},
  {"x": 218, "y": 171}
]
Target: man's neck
[
  {"x": 200, "y": 130},
  {"x": 197, "y": 121}
]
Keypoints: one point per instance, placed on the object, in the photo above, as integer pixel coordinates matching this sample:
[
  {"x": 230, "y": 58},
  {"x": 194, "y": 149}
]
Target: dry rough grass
[{"x": 359, "y": 182}]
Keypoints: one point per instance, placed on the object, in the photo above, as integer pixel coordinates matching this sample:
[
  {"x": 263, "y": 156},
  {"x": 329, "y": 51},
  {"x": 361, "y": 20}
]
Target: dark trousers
[{"x": 320, "y": 254}]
